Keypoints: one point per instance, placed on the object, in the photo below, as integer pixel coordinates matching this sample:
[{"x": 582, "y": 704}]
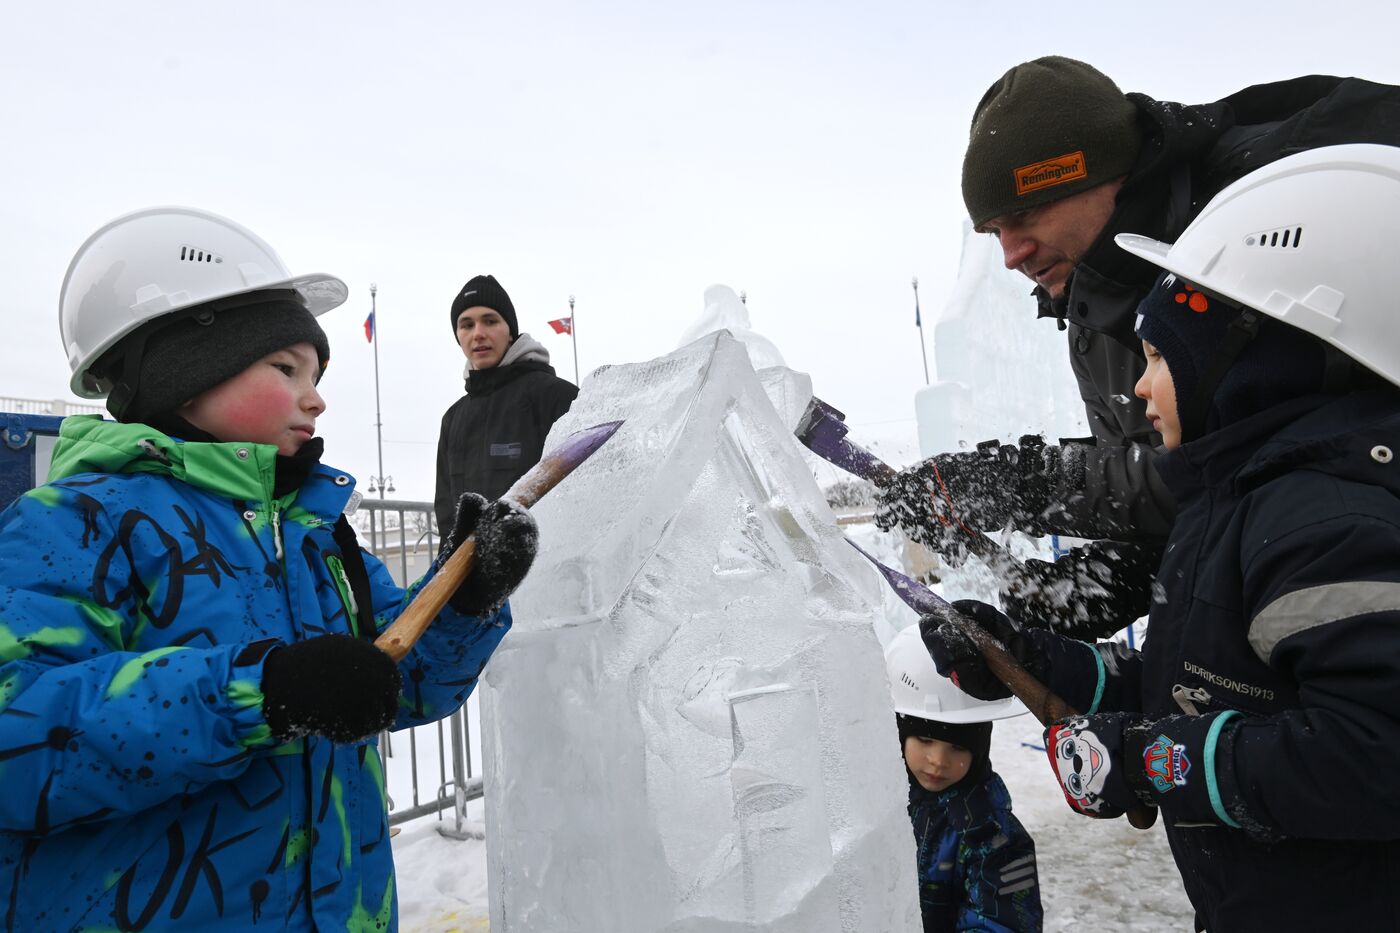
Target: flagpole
[
  {"x": 919, "y": 323},
  {"x": 378, "y": 421},
  {"x": 573, "y": 336}
]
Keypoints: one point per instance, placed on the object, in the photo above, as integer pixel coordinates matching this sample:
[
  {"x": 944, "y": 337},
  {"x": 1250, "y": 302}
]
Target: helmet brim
[
  {"x": 981, "y": 711},
  {"x": 320, "y": 292}
]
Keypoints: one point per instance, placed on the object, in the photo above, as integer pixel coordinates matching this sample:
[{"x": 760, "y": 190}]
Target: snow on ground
[{"x": 1094, "y": 874}]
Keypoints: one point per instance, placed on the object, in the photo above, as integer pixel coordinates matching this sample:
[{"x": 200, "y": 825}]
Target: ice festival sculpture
[{"x": 689, "y": 728}]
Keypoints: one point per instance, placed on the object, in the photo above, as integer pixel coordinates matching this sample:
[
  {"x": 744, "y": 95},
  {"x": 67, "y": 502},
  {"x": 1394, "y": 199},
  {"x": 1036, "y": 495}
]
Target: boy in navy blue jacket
[
  {"x": 1263, "y": 714},
  {"x": 976, "y": 862}
]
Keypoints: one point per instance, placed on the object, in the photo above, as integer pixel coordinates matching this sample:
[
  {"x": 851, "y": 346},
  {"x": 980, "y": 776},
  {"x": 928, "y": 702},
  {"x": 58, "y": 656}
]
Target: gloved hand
[
  {"x": 1089, "y": 593},
  {"x": 332, "y": 685},
  {"x": 1098, "y": 761},
  {"x": 506, "y": 541},
  {"x": 956, "y": 656},
  {"x": 950, "y": 495},
  {"x": 1108, "y": 762}
]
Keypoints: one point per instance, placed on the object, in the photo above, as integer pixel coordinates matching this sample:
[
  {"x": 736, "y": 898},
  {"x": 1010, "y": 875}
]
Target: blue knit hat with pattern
[{"x": 1193, "y": 330}]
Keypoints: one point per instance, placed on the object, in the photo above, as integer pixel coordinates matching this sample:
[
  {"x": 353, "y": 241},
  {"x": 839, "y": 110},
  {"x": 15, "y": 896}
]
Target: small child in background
[
  {"x": 189, "y": 689},
  {"x": 977, "y": 866}
]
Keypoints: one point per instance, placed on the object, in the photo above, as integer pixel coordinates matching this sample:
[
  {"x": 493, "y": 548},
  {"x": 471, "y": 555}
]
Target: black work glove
[
  {"x": 957, "y": 658},
  {"x": 332, "y": 685},
  {"x": 1089, "y": 593},
  {"x": 947, "y": 497},
  {"x": 506, "y": 541}
]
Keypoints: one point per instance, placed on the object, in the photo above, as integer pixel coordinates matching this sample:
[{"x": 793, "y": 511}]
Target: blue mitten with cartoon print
[{"x": 1109, "y": 762}]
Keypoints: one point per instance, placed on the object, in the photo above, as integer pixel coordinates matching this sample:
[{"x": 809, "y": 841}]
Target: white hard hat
[
  {"x": 919, "y": 690},
  {"x": 153, "y": 262},
  {"x": 1308, "y": 240}
]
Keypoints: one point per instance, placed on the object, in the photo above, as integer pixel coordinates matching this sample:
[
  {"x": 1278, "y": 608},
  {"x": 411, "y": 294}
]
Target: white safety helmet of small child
[
  {"x": 1308, "y": 240},
  {"x": 157, "y": 261},
  {"x": 919, "y": 690}
]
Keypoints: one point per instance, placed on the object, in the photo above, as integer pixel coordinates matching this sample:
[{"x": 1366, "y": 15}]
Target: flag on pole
[
  {"x": 917, "y": 323},
  {"x": 565, "y": 325},
  {"x": 369, "y": 327}
]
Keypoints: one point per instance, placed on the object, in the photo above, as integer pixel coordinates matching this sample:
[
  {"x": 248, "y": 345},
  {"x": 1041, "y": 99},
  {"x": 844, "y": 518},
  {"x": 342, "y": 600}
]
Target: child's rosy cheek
[{"x": 252, "y": 406}]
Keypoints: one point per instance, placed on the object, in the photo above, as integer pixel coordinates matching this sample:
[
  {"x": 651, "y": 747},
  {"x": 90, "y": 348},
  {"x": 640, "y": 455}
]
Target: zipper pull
[
  {"x": 1188, "y": 697},
  {"x": 277, "y": 532}
]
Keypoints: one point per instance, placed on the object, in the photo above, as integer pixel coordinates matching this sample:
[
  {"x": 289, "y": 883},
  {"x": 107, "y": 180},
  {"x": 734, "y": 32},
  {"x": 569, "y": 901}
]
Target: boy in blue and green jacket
[{"x": 189, "y": 690}]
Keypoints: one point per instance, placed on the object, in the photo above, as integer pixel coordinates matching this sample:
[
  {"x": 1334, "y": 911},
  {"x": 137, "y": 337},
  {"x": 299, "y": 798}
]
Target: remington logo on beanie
[
  {"x": 1055, "y": 171},
  {"x": 1048, "y": 129}
]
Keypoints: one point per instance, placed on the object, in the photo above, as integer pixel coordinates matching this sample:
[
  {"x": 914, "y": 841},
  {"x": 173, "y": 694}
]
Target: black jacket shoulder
[{"x": 494, "y": 434}]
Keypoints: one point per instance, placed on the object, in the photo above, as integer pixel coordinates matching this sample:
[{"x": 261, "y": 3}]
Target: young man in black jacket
[
  {"x": 495, "y": 433},
  {"x": 1059, "y": 161}
]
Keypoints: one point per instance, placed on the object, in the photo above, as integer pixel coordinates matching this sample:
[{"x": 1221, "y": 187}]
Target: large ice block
[{"x": 689, "y": 728}]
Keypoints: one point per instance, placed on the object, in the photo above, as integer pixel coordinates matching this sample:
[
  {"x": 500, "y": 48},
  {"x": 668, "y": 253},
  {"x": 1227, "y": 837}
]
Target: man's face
[
  {"x": 1046, "y": 242},
  {"x": 483, "y": 335}
]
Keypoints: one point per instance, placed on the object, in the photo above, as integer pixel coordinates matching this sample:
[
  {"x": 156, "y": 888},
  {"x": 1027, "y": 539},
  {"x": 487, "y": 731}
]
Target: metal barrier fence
[{"x": 402, "y": 536}]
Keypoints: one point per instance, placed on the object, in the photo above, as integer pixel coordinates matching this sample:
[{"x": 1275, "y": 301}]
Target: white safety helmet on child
[
  {"x": 157, "y": 261},
  {"x": 1309, "y": 240},
  {"x": 919, "y": 690}
]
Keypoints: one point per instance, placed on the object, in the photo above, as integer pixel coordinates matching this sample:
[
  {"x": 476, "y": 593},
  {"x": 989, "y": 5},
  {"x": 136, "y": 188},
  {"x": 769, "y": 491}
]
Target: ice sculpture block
[{"x": 689, "y": 727}]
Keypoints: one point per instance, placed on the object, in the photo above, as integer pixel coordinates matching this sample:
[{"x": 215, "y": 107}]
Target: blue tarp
[{"x": 24, "y": 452}]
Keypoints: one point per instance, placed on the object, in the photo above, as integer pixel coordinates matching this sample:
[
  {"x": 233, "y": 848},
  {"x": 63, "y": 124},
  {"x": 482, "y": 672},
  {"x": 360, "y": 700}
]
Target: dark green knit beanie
[{"x": 1047, "y": 129}]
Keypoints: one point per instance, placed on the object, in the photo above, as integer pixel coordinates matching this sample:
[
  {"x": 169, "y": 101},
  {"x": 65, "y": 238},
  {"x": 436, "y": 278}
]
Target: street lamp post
[{"x": 381, "y": 480}]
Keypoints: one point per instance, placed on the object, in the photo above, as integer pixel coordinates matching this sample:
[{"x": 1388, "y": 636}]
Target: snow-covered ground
[{"x": 1094, "y": 875}]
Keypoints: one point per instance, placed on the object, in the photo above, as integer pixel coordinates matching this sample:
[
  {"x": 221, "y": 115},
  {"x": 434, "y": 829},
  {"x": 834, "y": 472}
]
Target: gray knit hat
[
  {"x": 1047, "y": 129},
  {"x": 160, "y": 366}
]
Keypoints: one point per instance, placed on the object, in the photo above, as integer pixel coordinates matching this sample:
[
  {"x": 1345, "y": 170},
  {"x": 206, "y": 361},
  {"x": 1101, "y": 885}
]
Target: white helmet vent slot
[
  {"x": 1282, "y": 238},
  {"x": 195, "y": 254}
]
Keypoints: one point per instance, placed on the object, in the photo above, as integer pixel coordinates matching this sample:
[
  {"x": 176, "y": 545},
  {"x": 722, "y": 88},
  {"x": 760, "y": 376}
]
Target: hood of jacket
[
  {"x": 1155, "y": 200},
  {"x": 524, "y": 355},
  {"x": 1189, "y": 153}
]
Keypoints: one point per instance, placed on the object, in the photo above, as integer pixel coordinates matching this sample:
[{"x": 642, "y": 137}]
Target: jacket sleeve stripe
[
  {"x": 1318, "y": 605},
  {"x": 1212, "y": 785},
  {"x": 1103, "y": 679},
  {"x": 1013, "y": 888}
]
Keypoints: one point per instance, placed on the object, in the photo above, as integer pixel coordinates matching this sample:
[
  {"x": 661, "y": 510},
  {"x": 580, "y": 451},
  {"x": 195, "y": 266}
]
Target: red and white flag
[{"x": 565, "y": 325}]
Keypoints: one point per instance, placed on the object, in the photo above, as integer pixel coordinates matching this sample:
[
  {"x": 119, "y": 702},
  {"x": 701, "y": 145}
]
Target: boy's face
[
  {"x": 1046, "y": 242},
  {"x": 483, "y": 335},
  {"x": 935, "y": 764},
  {"x": 1156, "y": 388},
  {"x": 274, "y": 401}
]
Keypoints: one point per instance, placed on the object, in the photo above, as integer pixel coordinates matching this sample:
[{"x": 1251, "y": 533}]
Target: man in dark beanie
[
  {"x": 495, "y": 432},
  {"x": 1058, "y": 161}
]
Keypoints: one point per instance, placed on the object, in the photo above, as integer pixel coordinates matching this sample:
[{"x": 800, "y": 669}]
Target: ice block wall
[{"x": 689, "y": 728}]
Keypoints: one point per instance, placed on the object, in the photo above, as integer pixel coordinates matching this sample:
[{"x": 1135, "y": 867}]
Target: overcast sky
[{"x": 627, "y": 153}]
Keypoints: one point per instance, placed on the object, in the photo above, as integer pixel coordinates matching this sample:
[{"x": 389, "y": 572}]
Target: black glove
[
  {"x": 951, "y": 495},
  {"x": 332, "y": 685},
  {"x": 1090, "y": 593},
  {"x": 506, "y": 541},
  {"x": 957, "y": 658}
]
